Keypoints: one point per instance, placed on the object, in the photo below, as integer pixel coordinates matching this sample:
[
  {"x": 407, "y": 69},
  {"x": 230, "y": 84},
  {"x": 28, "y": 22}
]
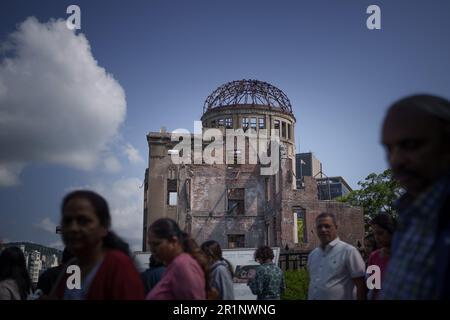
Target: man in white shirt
[{"x": 335, "y": 268}]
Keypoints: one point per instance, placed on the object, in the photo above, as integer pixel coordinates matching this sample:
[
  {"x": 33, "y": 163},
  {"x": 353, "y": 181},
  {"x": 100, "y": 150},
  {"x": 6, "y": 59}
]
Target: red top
[
  {"x": 183, "y": 279},
  {"x": 116, "y": 279},
  {"x": 376, "y": 258}
]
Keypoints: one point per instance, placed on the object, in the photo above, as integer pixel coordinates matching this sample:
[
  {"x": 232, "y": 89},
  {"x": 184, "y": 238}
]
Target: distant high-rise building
[
  {"x": 34, "y": 265},
  {"x": 306, "y": 165},
  {"x": 37, "y": 257},
  {"x": 310, "y": 165},
  {"x": 330, "y": 188}
]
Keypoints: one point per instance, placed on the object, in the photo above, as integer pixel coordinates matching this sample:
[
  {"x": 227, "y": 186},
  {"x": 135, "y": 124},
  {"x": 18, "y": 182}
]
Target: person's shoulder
[
  {"x": 276, "y": 269},
  {"x": 11, "y": 283},
  {"x": 220, "y": 266},
  {"x": 157, "y": 271},
  {"x": 314, "y": 252},
  {"x": 50, "y": 272},
  {"x": 146, "y": 273},
  {"x": 347, "y": 249},
  {"x": 346, "y": 246},
  {"x": 4, "y": 283},
  {"x": 117, "y": 256},
  {"x": 219, "y": 270},
  {"x": 5, "y": 290},
  {"x": 186, "y": 263},
  {"x": 183, "y": 259},
  {"x": 374, "y": 254}
]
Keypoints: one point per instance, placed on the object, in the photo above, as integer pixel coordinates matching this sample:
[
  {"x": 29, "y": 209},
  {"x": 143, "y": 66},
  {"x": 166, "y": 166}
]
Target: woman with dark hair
[
  {"x": 107, "y": 271},
  {"x": 220, "y": 269},
  {"x": 15, "y": 283},
  {"x": 187, "y": 273},
  {"x": 268, "y": 282},
  {"x": 383, "y": 226}
]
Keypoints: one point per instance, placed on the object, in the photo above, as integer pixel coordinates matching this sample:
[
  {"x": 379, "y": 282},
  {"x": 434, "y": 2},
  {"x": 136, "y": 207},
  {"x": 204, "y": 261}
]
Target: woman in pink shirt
[
  {"x": 383, "y": 226},
  {"x": 187, "y": 267}
]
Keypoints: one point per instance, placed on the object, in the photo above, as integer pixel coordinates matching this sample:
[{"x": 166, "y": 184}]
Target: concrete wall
[
  {"x": 210, "y": 219},
  {"x": 349, "y": 219},
  {"x": 202, "y": 201}
]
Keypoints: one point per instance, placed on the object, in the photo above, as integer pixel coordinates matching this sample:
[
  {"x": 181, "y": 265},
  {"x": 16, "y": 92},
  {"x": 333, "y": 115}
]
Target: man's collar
[
  {"x": 331, "y": 244},
  {"x": 408, "y": 199},
  {"x": 334, "y": 242},
  {"x": 425, "y": 203}
]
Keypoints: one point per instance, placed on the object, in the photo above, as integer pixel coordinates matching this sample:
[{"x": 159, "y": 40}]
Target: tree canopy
[{"x": 377, "y": 194}]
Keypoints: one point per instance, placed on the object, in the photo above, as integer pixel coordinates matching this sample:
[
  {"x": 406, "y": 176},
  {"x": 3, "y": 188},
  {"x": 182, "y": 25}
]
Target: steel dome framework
[{"x": 243, "y": 92}]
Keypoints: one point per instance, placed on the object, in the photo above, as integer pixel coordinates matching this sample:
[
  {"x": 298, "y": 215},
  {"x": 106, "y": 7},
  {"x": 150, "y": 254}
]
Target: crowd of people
[
  {"x": 179, "y": 269},
  {"x": 412, "y": 254}
]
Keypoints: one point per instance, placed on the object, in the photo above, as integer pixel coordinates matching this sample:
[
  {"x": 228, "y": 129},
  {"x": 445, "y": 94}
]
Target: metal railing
[{"x": 293, "y": 260}]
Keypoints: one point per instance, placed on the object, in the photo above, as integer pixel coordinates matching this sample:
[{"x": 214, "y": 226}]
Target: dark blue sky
[{"x": 168, "y": 56}]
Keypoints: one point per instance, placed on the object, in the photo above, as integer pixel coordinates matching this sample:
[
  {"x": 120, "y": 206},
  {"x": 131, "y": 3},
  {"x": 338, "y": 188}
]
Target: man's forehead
[
  {"x": 407, "y": 123},
  {"x": 324, "y": 220}
]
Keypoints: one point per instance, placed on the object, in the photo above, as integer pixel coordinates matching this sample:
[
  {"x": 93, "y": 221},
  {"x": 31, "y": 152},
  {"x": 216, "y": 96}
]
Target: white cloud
[
  {"x": 133, "y": 154},
  {"x": 112, "y": 165},
  {"x": 57, "y": 105},
  {"x": 47, "y": 225},
  {"x": 126, "y": 199},
  {"x": 9, "y": 174}
]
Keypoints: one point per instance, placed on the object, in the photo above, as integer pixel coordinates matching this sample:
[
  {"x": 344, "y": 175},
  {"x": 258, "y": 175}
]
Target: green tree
[{"x": 377, "y": 194}]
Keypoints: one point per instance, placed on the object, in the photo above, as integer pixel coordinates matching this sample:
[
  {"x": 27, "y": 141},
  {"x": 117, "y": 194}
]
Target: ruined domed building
[{"x": 233, "y": 202}]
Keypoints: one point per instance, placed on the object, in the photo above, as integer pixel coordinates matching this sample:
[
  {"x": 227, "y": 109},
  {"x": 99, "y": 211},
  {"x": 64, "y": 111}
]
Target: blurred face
[
  {"x": 414, "y": 143},
  {"x": 368, "y": 246},
  {"x": 326, "y": 230},
  {"x": 165, "y": 250},
  {"x": 81, "y": 228},
  {"x": 382, "y": 236}
]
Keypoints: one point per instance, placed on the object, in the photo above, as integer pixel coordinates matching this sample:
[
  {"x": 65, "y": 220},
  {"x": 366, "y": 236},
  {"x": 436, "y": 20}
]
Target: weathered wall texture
[{"x": 269, "y": 213}]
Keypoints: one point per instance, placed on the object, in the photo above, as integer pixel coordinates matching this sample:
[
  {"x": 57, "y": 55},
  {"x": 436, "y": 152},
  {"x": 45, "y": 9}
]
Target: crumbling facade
[{"x": 234, "y": 203}]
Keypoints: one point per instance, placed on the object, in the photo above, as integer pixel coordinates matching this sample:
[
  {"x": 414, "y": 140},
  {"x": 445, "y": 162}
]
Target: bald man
[{"x": 416, "y": 135}]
